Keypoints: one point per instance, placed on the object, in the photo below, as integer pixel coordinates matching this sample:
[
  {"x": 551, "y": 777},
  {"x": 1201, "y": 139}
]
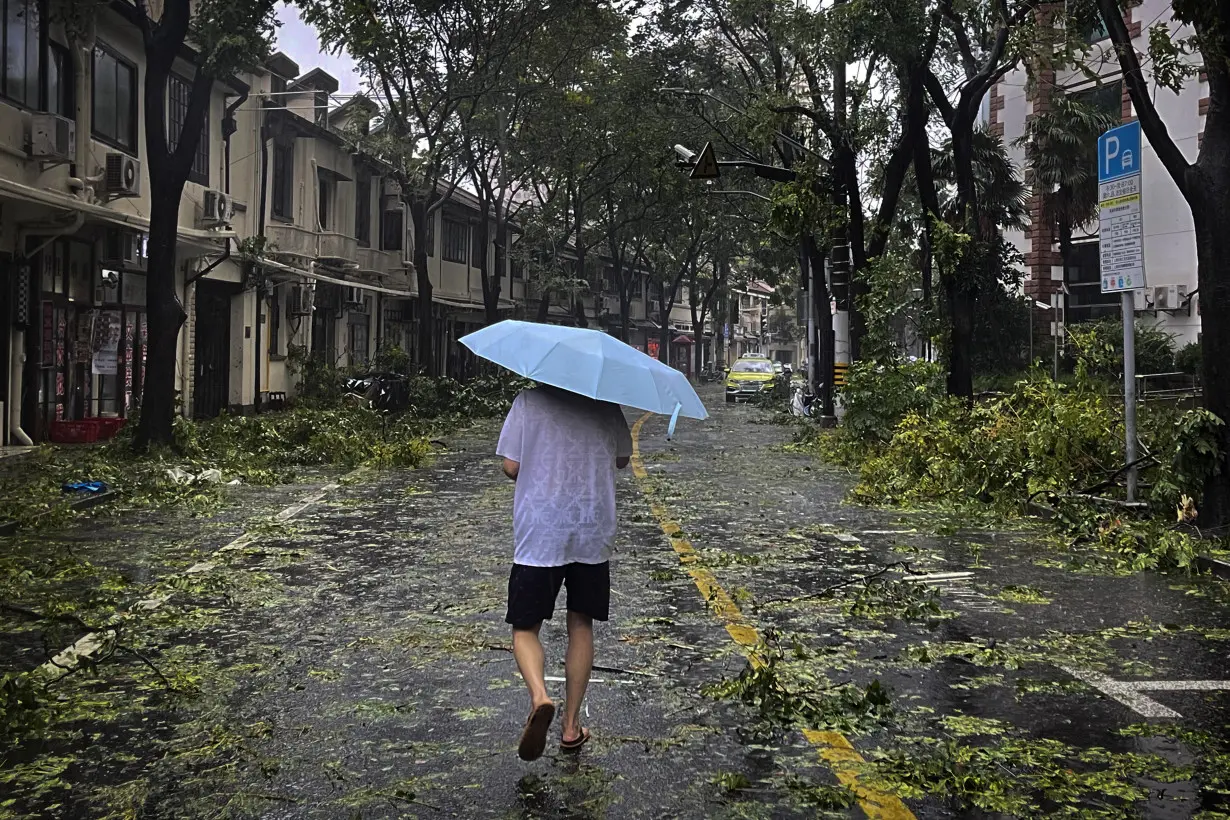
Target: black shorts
[{"x": 532, "y": 592}]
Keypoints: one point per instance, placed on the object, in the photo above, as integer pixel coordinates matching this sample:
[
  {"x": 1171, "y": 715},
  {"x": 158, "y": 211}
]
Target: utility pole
[{"x": 841, "y": 283}]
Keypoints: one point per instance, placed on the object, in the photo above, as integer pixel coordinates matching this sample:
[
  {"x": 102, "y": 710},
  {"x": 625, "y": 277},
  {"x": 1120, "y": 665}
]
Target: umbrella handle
[{"x": 670, "y": 431}]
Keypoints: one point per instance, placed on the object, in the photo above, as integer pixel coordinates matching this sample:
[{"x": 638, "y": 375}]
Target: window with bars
[
  {"x": 115, "y": 100},
  {"x": 179, "y": 94},
  {"x": 20, "y": 51},
  {"x": 282, "y": 204},
  {"x": 456, "y": 236},
  {"x": 478, "y": 254},
  {"x": 61, "y": 92},
  {"x": 363, "y": 211},
  {"x": 392, "y": 229}
]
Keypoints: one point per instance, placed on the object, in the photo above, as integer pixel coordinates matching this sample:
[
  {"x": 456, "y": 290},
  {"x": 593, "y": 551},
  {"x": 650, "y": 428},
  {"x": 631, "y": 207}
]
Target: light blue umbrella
[{"x": 588, "y": 362}]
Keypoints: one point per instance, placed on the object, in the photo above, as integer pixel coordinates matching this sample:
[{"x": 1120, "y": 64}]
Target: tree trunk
[
  {"x": 544, "y": 308},
  {"x": 491, "y": 285},
  {"x": 959, "y": 301},
  {"x": 165, "y": 315},
  {"x": 625, "y": 308},
  {"x": 1212, "y": 220},
  {"x": 427, "y": 334},
  {"x": 664, "y": 331}
]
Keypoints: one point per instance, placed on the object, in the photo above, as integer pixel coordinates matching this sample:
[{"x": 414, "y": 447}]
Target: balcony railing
[
  {"x": 291, "y": 240},
  {"x": 337, "y": 246},
  {"x": 379, "y": 261}
]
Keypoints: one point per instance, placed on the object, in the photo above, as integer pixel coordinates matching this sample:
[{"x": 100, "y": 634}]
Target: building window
[
  {"x": 283, "y": 179},
  {"x": 20, "y": 45},
  {"x": 322, "y": 109},
  {"x": 392, "y": 229},
  {"x": 115, "y": 100},
  {"x": 179, "y": 93},
  {"x": 61, "y": 96},
  {"x": 455, "y": 238},
  {"x": 363, "y": 211},
  {"x": 277, "y": 89},
  {"x": 516, "y": 268},
  {"x": 324, "y": 199},
  {"x": 478, "y": 254}
]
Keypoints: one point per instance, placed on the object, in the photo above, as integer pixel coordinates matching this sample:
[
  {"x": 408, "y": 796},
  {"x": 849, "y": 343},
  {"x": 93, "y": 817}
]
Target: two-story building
[{"x": 75, "y": 206}]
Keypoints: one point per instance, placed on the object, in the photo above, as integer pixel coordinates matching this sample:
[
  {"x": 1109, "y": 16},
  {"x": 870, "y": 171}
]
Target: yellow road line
[{"x": 833, "y": 747}]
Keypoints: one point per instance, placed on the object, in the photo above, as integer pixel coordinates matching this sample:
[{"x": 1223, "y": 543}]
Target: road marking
[
  {"x": 846, "y": 762},
  {"x": 69, "y": 658},
  {"x": 832, "y": 747},
  {"x": 1129, "y": 692}
]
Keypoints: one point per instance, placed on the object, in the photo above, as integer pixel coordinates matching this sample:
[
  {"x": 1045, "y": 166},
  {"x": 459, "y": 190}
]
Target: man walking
[{"x": 562, "y": 449}]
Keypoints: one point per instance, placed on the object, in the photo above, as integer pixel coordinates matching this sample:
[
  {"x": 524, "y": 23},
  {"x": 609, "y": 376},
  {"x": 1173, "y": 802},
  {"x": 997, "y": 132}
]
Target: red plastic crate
[
  {"x": 108, "y": 427},
  {"x": 84, "y": 431}
]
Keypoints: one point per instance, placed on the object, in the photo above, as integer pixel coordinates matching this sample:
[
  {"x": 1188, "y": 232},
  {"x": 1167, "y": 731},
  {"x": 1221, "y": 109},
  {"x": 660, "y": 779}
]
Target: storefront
[{"x": 89, "y": 342}]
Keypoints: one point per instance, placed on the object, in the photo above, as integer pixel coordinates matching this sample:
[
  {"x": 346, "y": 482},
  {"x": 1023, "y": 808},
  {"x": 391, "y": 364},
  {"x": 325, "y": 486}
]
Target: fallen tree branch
[
  {"x": 39, "y": 616},
  {"x": 829, "y": 590}
]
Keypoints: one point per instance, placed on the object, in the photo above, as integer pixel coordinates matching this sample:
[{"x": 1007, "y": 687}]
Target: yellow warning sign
[{"x": 706, "y": 164}]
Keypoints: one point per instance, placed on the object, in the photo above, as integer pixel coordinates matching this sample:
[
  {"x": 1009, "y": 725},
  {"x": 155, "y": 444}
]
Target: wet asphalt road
[{"x": 353, "y": 662}]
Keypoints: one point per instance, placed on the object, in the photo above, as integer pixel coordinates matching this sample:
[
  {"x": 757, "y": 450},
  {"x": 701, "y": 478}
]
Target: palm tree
[
  {"x": 1061, "y": 148},
  {"x": 1000, "y": 190}
]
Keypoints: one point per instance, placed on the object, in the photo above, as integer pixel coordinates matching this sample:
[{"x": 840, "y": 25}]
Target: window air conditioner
[{"x": 52, "y": 137}]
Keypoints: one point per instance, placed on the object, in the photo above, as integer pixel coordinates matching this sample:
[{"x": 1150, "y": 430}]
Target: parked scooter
[
  {"x": 802, "y": 400},
  {"x": 383, "y": 392}
]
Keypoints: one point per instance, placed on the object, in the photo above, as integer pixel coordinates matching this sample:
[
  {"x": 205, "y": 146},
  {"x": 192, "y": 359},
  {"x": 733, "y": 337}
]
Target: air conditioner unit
[
  {"x": 392, "y": 202},
  {"x": 1141, "y": 300},
  {"x": 52, "y": 137},
  {"x": 392, "y": 187},
  {"x": 121, "y": 248},
  {"x": 123, "y": 175},
  {"x": 1166, "y": 297},
  {"x": 218, "y": 208},
  {"x": 302, "y": 297},
  {"x": 353, "y": 297}
]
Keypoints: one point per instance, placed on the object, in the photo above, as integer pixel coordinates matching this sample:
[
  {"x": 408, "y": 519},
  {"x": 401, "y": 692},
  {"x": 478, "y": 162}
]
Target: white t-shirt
[{"x": 564, "y": 504}]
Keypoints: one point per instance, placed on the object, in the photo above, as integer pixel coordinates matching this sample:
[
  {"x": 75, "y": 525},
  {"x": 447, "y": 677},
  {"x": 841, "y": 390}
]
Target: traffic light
[{"x": 764, "y": 321}]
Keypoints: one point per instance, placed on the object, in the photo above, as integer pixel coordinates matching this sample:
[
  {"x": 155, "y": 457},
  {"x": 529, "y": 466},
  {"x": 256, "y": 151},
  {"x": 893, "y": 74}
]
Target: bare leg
[
  {"x": 577, "y": 667},
  {"x": 527, "y": 649}
]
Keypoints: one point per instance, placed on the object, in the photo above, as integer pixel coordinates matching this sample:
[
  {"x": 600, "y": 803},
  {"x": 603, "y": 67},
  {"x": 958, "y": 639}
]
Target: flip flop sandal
[
  {"x": 575, "y": 745},
  {"x": 534, "y": 736}
]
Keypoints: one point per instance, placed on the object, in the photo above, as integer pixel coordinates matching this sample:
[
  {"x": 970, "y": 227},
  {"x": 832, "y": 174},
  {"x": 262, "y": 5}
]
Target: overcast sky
[{"x": 300, "y": 42}]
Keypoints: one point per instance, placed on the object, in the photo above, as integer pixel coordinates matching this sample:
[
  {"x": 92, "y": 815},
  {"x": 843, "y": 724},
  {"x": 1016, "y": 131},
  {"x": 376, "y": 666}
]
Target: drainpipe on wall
[
  {"x": 81, "y": 181},
  {"x": 229, "y": 127},
  {"x": 263, "y": 135}
]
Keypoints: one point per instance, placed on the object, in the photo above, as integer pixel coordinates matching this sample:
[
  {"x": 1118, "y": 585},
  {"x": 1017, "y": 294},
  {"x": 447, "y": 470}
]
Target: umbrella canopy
[{"x": 588, "y": 362}]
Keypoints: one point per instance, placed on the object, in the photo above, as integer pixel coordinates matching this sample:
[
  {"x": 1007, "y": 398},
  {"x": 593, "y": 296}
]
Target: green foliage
[
  {"x": 1189, "y": 359},
  {"x": 1099, "y": 346},
  {"x": 1023, "y": 777},
  {"x": 879, "y": 395},
  {"x": 783, "y": 698}
]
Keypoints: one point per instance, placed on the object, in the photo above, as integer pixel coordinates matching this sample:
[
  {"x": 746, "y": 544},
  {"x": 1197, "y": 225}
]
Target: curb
[
  {"x": 88, "y": 502},
  {"x": 1214, "y": 566}
]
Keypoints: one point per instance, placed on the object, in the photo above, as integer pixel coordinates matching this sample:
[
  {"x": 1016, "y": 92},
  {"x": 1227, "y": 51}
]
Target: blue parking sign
[{"x": 1119, "y": 152}]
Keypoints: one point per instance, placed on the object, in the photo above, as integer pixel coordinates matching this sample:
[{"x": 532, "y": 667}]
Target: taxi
[{"x": 750, "y": 376}]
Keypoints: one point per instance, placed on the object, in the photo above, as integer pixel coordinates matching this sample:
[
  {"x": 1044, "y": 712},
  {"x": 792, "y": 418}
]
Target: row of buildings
[{"x": 334, "y": 281}]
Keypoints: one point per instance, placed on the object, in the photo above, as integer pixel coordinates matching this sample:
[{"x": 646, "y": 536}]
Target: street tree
[
  {"x": 222, "y": 37},
  {"x": 989, "y": 39},
  {"x": 426, "y": 64},
  {"x": 1203, "y": 30}
]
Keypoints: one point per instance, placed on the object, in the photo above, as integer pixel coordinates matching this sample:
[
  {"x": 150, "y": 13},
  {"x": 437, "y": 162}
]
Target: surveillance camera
[{"x": 685, "y": 154}]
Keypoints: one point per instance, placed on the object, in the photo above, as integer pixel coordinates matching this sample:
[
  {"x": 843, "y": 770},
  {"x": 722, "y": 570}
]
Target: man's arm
[{"x": 511, "y": 468}]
